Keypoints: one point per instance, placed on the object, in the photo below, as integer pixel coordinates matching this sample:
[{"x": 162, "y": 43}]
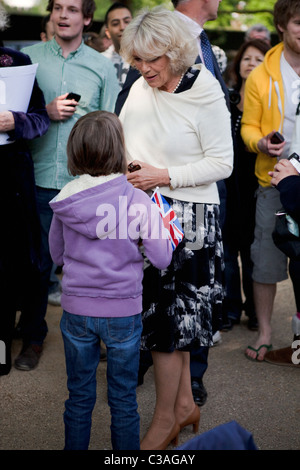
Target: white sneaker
[
  {"x": 54, "y": 298},
  {"x": 217, "y": 338}
]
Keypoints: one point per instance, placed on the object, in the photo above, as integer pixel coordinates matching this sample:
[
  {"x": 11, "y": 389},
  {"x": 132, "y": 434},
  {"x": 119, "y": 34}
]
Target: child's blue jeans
[{"x": 81, "y": 335}]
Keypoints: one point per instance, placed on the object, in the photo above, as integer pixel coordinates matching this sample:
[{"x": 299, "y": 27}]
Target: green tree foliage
[
  {"x": 233, "y": 14},
  {"x": 247, "y": 13}
]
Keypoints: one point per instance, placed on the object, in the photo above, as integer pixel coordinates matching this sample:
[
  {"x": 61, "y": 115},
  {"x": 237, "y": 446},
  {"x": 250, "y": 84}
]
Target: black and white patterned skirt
[{"x": 182, "y": 305}]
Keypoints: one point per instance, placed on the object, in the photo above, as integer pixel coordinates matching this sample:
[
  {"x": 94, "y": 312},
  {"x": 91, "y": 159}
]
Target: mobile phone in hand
[
  {"x": 73, "y": 96},
  {"x": 277, "y": 138}
]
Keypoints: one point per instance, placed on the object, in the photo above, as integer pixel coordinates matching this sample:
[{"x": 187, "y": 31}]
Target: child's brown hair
[{"x": 96, "y": 145}]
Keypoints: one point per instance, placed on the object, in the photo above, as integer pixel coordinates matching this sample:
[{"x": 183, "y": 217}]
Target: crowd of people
[{"x": 147, "y": 91}]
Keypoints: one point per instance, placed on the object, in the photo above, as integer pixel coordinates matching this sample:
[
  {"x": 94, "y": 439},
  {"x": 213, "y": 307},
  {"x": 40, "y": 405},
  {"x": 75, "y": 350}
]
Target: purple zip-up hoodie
[{"x": 95, "y": 236}]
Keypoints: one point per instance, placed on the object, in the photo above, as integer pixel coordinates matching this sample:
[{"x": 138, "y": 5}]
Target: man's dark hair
[
  {"x": 115, "y": 6},
  {"x": 175, "y": 3},
  {"x": 88, "y": 7},
  {"x": 284, "y": 10}
]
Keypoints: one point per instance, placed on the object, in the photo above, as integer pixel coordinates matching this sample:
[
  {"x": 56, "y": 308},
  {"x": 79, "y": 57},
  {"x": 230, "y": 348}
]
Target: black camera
[{"x": 234, "y": 96}]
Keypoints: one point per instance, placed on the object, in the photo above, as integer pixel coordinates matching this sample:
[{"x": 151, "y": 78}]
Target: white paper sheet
[{"x": 16, "y": 85}]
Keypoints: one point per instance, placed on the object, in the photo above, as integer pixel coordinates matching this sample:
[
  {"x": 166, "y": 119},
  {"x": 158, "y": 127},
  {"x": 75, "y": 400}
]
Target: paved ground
[{"x": 263, "y": 398}]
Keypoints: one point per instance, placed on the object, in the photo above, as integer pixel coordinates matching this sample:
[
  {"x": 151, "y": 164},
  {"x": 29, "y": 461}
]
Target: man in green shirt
[{"x": 66, "y": 65}]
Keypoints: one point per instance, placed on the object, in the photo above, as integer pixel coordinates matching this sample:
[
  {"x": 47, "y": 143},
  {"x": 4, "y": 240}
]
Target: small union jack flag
[{"x": 170, "y": 220}]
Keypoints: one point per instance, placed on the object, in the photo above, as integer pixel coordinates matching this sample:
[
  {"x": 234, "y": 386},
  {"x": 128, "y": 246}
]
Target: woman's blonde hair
[{"x": 157, "y": 32}]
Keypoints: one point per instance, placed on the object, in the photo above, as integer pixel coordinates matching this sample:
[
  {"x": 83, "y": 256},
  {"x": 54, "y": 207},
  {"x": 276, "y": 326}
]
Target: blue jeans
[{"x": 122, "y": 337}]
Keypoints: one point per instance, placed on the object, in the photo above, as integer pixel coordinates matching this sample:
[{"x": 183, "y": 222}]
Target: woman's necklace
[{"x": 179, "y": 83}]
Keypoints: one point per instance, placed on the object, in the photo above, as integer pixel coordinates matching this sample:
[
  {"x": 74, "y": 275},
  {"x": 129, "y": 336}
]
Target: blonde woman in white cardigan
[{"x": 177, "y": 128}]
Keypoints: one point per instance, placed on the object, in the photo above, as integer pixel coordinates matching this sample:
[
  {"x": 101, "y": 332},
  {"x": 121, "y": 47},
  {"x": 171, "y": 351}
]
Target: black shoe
[
  {"x": 29, "y": 357},
  {"x": 199, "y": 392}
]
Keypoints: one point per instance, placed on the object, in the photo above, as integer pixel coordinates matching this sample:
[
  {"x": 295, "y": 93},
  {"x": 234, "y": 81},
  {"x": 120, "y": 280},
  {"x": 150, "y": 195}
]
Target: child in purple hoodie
[{"x": 100, "y": 221}]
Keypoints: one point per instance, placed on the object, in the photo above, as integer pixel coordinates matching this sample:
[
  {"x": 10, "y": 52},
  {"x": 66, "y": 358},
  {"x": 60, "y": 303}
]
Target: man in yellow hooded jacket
[{"x": 272, "y": 95}]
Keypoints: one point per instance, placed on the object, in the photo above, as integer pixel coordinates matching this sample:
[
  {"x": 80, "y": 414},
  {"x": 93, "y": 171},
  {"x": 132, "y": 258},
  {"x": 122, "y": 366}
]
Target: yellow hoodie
[{"x": 263, "y": 109}]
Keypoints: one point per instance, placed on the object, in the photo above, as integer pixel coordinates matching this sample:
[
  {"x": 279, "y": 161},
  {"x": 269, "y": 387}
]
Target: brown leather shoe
[{"x": 284, "y": 357}]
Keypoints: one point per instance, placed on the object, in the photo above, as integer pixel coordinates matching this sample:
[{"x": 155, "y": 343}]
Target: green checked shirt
[{"x": 86, "y": 72}]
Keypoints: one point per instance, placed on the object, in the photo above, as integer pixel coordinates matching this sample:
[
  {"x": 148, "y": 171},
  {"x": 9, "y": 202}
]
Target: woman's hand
[
  {"x": 282, "y": 169},
  {"x": 265, "y": 146},
  {"x": 7, "y": 121},
  {"x": 61, "y": 109},
  {"x": 148, "y": 177}
]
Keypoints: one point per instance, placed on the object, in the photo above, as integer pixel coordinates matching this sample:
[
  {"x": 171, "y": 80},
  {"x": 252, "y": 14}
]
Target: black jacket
[
  {"x": 20, "y": 241},
  {"x": 289, "y": 189}
]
